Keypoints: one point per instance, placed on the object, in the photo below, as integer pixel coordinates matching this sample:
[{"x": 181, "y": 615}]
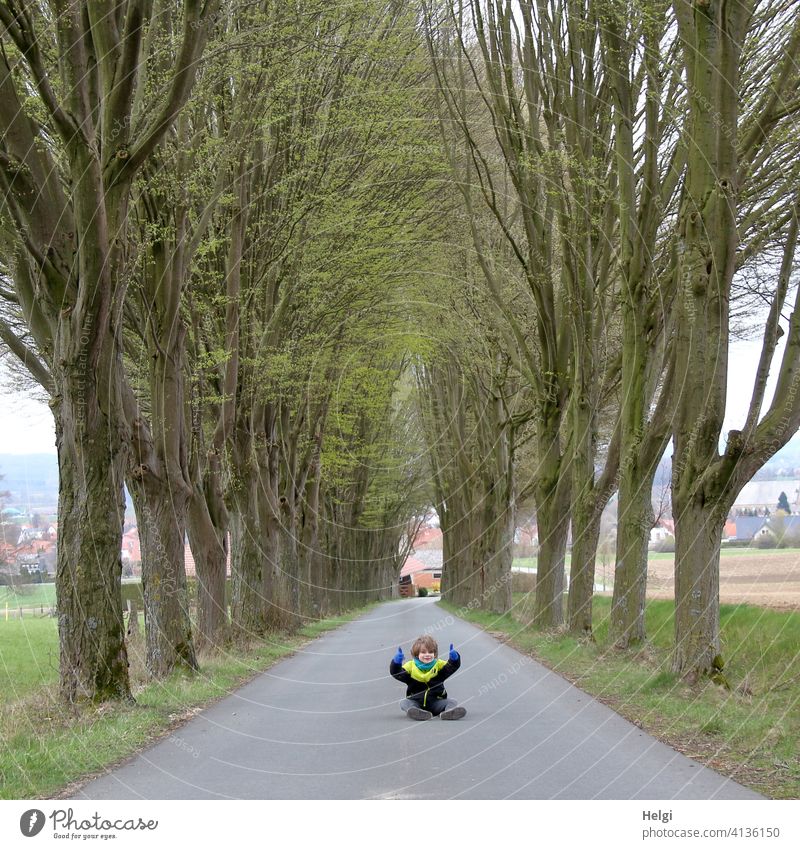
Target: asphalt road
[{"x": 326, "y": 724}]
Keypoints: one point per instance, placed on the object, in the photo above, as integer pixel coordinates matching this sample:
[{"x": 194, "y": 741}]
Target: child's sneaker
[
  {"x": 419, "y": 713},
  {"x": 453, "y": 713}
]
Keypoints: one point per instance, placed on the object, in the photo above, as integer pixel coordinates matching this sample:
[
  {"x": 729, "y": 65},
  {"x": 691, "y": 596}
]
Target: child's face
[{"x": 426, "y": 656}]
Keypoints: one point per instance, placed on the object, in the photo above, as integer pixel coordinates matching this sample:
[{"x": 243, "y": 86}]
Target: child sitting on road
[{"x": 424, "y": 676}]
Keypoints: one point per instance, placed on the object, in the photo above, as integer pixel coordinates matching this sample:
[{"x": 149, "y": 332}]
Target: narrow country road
[{"x": 325, "y": 724}]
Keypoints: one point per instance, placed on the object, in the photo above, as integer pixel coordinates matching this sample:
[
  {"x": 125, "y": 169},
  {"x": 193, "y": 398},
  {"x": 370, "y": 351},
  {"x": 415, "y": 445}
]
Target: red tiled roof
[
  {"x": 35, "y": 546},
  {"x": 411, "y": 566}
]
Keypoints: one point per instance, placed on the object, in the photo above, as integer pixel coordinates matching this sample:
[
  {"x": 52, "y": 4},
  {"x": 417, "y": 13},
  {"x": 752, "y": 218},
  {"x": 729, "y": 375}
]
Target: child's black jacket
[{"x": 419, "y": 690}]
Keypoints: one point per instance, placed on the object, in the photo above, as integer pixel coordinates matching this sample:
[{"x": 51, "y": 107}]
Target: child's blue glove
[
  {"x": 453, "y": 653},
  {"x": 398, "y": 658}
]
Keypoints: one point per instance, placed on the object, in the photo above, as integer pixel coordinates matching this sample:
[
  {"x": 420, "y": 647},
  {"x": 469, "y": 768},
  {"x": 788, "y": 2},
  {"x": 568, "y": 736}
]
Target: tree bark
[
  {"x": 459, "y": 571},
  {"x": 698, "y": 536},
  {"x": 248, "y": 559},
  {"x": 552, "y": 492},
  {"x": 84, "y": 67},
  {"x": 630, "y": 572},
  {"x": 91, "y": 507},
  {"x": 207, "y": 524},
  {"x": 712, "y": 38},
  {"x": 585, "y": 538},
  {"x": 160, "y": 511}
]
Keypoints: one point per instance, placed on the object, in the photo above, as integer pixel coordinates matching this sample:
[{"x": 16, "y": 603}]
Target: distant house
[
  {"x": 781, "y": 526},
  {"x": 416, "y": 573},
  {"x": 757, "y": 495},
  {"x": 427, "y": 538},
  {"x": 750, "y": 527},
  {"x": 663, "y": 530},
  {"x": 131, "y": 549},
  {"x": 36, "y": 556},
  {"x": 27, "y": 534},
  {"x": 658, "y": 534},
  {"x": 31, "y": 562},
  {"x": 791, "y": 524},
  {"x": 526, "y": 536}
]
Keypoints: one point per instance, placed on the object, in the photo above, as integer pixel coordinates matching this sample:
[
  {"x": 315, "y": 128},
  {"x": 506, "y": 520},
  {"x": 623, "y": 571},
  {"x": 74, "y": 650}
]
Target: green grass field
[
  {"x": 750, "y": 732},
  {"x": 36, "y": 597},
  {"x": 28, "y": 656},
  {"x": 27, "y": 595}
]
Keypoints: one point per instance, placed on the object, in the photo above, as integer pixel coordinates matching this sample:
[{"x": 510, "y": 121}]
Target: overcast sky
[{"x": 26, "y": 427}]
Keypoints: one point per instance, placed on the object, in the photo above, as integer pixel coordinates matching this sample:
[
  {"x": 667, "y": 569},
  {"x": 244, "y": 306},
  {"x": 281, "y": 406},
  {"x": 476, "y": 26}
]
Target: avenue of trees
[
  {"x": 293, "y": 273},
  {"x": 629, "y": 180},
  {"x": 208, "y": 219}
]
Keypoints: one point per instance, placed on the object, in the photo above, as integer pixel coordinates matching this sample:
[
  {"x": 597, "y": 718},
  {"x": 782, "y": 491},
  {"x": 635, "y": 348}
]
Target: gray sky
[{"x": 26, "y": 427}]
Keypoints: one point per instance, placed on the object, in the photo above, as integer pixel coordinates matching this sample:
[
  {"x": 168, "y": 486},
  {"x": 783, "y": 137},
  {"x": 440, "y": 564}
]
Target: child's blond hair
[{"x": 426, "y": 641}]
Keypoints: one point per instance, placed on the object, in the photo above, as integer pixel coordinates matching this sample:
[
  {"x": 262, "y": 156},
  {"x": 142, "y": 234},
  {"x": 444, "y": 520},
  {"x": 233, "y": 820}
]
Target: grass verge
[
  {"x": 749, "y": 733},
  {"x": 47, "y": 750}
]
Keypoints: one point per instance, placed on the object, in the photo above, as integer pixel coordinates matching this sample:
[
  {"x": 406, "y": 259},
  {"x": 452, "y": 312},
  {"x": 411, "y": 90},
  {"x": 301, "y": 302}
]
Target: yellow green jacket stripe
[{"x": 422, "y": 685}]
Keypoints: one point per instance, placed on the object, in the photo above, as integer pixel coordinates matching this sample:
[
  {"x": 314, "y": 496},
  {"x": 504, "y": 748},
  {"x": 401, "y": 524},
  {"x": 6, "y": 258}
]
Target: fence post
[{"x": 133, "y": 618}]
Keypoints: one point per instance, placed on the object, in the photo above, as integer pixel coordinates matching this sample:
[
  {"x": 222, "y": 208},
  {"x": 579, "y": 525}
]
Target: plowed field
[{"x": 770, "y": 578}]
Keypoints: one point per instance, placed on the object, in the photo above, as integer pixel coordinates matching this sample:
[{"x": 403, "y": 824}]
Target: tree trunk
[
  {"x": 495, "y": 555},
  {"x": 312, "y": 572},
  {"x": 247, "y": 562},
  {"x": 630, "y": 573},
  {"x": 553, "y": 521},
  {"x": 585, "y": 516},
  {"x": 91, "y": 506},
  {"x": 493, "y": 539},
  {"x": 133, "y": 619},
  {"x": 552, "y": 493},
  {"x": 708, "y": 228},
  {"x": 585, "y": 537},
  {"x": 698, "y": 535},
  {"x": 208, "y": 537},
  {"x": 285, "y": 592},
  {"x": 496, "y": 512},
  {"x": 160, "y": 513},
  {"x": 331, "y": 562},
  {"x": 460, "y": 574},
  {"x": 457, "y": 552}
]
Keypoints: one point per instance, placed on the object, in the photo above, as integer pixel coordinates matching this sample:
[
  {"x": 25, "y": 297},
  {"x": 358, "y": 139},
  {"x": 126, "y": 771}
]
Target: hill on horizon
[{"x": 32, "y": 479}]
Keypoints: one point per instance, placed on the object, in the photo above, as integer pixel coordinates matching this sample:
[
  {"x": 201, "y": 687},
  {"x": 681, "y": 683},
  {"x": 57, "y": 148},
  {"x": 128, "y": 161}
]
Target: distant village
[
  {"x": 755, "y": 520},
  {"x": 28, "y": 548},
  {"x": 766, "y": 514}
]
